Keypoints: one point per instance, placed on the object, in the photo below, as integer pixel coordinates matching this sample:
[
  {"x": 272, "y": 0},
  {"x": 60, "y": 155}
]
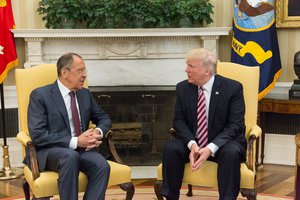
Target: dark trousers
[
  {"x": 228, "y": 157},
  {"x": 68, "y": 163}
]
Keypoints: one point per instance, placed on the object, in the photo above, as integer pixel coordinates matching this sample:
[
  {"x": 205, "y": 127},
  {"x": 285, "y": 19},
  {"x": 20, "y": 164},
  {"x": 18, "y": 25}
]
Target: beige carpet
[{"x": 147, "y": 193}]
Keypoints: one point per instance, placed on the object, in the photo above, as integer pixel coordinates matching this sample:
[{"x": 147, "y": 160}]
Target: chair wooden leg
[
  {"x": 129, "y": 188},
  {"x": 250, "y": 194},
  {"x": 190, "y": 191},
  {"x": 157, "y": 189},
  {"x": 26, "y": 189}
]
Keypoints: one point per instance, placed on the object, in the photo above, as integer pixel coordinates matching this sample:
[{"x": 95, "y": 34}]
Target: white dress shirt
[
  {"x": 207, "y": 88},
  {"x": 67, "y": 99}
]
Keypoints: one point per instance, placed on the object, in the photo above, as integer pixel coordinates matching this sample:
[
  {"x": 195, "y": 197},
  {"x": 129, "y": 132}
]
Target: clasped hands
[
  {"x": 198, "y": 156},
  {"x": 89, "y": 139}
]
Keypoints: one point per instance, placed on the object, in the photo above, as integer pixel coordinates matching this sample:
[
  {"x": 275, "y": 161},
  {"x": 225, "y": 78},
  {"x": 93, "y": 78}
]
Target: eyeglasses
[
  {"x": 82, "y": 71},
  {"x": 79, "y": 71}
]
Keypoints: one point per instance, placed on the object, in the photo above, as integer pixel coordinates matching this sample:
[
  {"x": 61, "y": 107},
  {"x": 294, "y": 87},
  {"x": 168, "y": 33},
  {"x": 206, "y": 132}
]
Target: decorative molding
[
  {"x": 115, "y": 33},
  {"x": 122, "y": 56}
]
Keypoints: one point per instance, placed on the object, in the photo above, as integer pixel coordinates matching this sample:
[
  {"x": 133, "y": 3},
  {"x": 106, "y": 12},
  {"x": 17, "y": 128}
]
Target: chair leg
[
  {"x": 190, "y": 191},
  {"x": 129, "y": 188},
  {"x": 26, "y": 189},
  {"x": 157, "y": 189},
  {"x": 250, "y": 194}
]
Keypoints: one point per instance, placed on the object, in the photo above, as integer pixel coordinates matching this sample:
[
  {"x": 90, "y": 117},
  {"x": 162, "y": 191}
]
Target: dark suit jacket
[
  {"x": 48, "y": 121},
  {"x": 226, "y": 112}
]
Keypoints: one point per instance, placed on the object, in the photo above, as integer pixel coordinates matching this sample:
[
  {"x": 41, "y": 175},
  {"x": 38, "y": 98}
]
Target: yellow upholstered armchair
[
  {"x": 207, "y": 175},
  {"x": 43, "y": 185}
]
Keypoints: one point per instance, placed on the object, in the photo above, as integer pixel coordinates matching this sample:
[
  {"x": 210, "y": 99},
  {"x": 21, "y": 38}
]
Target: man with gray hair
[
  {"x": 58, "y": 123},
  {"x": 209, "y": 123}
]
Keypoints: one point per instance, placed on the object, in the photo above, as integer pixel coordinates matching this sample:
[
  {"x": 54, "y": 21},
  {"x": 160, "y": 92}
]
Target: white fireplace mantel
[{"x": 122, "y": 56}]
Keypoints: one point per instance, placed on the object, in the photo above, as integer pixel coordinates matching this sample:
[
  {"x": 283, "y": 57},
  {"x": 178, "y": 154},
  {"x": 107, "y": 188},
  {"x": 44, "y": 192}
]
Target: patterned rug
[{"x": 147, "y": 193}]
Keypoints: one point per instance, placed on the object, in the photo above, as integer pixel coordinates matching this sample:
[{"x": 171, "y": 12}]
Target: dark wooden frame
[
  {"x": 283, "y": 20},
  {"x": 128, "y": 187}
]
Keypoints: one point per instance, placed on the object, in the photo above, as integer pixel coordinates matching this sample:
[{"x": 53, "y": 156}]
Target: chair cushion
[
  {"x": 119, "y": 173},
  {"x": 207, "y": 175},
  {"x": 46, "y": 184}
]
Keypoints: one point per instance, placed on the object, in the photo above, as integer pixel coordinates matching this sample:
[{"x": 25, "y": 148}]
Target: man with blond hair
[{"x": 209, "y": 123}]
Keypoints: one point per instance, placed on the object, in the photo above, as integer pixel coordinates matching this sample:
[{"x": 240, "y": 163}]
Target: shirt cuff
[
  {"x": 73, "y": 143},
  {"x": 101, "y": 133},
  {"x": 191, "y": 143},
  {"x": 213, "y": 148}
]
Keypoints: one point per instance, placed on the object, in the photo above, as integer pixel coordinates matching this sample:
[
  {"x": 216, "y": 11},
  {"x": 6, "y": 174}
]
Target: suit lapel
[
  {"x": 193, "y": 96},
  {"x": 80, "y": 100},
  {"x": 216, "y": 93},
  {"x": 58, "y": 100}
]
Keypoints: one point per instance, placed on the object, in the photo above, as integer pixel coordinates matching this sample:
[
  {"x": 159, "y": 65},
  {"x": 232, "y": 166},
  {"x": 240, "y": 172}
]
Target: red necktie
[
  {"x": 201, "y": 120},
  {"x": 75, "y": 116}
]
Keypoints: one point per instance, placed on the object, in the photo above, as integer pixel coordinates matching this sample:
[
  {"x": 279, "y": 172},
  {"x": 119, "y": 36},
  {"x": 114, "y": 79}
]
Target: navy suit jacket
[
  {"x": 48, "y": 121},
  {"x": 226, "y": 112}
]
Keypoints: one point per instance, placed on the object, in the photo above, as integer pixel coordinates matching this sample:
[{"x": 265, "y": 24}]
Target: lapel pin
[{"x": 217, "y": 92}]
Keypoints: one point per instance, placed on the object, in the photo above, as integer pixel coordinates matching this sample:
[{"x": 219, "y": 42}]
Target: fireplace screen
[{"x": 141, "y": 122}]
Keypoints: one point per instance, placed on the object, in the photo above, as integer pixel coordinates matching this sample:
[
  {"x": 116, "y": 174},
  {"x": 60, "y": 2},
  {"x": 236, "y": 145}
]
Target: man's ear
[{"x": 63, "y": 72}]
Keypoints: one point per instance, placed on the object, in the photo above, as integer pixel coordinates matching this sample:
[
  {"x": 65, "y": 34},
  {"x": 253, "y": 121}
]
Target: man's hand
[
  {"x": 194, "y": 154},
  {"x": 203, "y": 153},
  {"x": 89, "y": 139}
]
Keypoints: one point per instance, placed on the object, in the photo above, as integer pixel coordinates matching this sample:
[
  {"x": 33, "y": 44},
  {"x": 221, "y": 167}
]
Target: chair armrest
[
  {"x": 172, "y": 132},
  {"x": 25, "y": 140},
  {"x": 91, "y": 125},
  {"x": 255, "y": 131},
  {"x": 111, "y": 147},
  {"x": 254, "y": 134}
]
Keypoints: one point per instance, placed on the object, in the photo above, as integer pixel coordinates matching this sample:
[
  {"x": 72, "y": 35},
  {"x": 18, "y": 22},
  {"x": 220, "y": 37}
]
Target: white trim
[{"x": 149, "y": 32}]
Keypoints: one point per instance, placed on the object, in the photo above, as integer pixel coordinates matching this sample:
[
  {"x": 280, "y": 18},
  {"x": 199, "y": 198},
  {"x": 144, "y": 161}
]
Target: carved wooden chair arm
[
  {"x": 254, "y": 134},
  {"x": 111, "y": 147},
  {"x": 172, "y": 132},
  {"x": 26, "y": 142},
  {"x": 33, "y": 160}
]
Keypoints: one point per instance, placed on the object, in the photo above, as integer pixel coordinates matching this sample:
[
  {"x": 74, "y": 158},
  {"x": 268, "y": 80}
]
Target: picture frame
[{"x": 287, "y": 13}]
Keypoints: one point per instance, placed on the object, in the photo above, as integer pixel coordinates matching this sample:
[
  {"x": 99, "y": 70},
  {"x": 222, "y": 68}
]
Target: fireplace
[{"x": 142, "y": 117}]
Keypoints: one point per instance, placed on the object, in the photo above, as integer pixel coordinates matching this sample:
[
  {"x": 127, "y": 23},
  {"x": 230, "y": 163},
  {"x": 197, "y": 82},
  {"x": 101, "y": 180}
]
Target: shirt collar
[
  {"x": 209, "y": 84},
  {"x": 63, "y": 89}
]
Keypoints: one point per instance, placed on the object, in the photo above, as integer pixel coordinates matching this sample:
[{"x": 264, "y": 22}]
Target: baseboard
[{"x": 280, "y": 149}]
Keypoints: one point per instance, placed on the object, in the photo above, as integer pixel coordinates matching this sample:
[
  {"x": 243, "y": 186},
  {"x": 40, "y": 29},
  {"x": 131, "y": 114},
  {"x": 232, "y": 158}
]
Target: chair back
[
  {"x": 249, "y": 78},
  {"x": 29, "y": 79}
]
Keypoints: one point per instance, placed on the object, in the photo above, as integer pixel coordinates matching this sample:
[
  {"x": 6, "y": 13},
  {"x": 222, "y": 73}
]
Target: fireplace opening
[{"x": 142, "y": 117}]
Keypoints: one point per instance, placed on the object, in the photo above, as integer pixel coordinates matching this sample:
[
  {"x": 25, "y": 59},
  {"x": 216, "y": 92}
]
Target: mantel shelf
[
  {"x": 143, "y": 32},
  {"x": 118, "y": 57}
]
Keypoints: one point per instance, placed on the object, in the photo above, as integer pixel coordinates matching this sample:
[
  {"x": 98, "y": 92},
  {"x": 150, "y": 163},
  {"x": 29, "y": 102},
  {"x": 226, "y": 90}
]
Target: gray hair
[{"x": 65, "y": 61}]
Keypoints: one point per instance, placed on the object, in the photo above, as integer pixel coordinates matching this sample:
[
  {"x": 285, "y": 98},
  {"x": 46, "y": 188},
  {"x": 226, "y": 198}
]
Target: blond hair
[{"x": 207, "y": 58}]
